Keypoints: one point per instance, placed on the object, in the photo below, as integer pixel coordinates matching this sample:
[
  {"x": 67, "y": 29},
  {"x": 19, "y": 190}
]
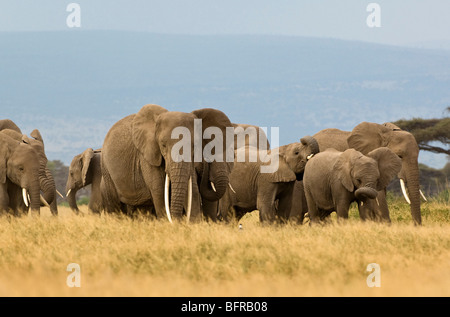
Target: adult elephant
[
  {"x": 46, "y": 180},
  {"x": 368, "y": 136},
  {"x": 334, "y": 179},
  {"x": 143, "y": 152},
  {"x": 85, "y": 170},
  {"x": 270, "y": 192},
  {"x": 19, "y": 176}
]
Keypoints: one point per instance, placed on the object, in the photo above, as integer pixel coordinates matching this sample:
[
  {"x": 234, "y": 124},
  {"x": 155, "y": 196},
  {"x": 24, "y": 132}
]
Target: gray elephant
[
  {"x": 19, "y": 176},
  {"x": 268, "y": 192},
  {"x": 142, "y": 161},
  {"x": 85, "y": 170},
  {"x": 366, "y": 137},
  {"x": 334, "y": 179},
  {"x": 46, "y": 180}
]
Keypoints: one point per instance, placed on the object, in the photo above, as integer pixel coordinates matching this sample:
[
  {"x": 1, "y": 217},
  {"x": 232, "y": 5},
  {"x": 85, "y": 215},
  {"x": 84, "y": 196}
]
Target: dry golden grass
[{"x": 120, "y": 256}]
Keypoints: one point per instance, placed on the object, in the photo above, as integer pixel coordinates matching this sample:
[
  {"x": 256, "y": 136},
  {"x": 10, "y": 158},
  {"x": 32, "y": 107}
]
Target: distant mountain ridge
[{"x": 74, "y": 85}]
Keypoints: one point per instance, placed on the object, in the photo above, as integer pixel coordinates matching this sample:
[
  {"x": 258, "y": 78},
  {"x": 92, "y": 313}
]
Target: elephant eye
[
  {"x": 297, "y": 153},
  {"x": 21, "y": 168}
]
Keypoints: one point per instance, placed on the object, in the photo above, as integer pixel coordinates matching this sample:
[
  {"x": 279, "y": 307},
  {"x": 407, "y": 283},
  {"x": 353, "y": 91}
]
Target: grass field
[{"x": 119, "y": 256}]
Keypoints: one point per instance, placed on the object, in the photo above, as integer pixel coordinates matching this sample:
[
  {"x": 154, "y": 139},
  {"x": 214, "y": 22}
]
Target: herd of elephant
[{"x": 135, "y": 170}]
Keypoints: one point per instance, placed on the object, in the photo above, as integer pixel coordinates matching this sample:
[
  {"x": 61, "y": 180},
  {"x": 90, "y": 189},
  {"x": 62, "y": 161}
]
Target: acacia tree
[{"x": 428, "y": 131}]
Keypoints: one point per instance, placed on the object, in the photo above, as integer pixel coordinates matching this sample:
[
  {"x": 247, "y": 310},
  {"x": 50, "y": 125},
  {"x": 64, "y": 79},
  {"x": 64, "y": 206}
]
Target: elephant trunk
[
  {"x": 47, "y": 184},
  {"x": 33, "y": 191},
  {"x": 365, "y": 192},
  {"x": 312, "y": 143},
  {"x": 179, "y": 180},
  {"x": 214, "y": 181},
  {"x": 71, "y": 199},
  {"x": 411, "y": 173}
]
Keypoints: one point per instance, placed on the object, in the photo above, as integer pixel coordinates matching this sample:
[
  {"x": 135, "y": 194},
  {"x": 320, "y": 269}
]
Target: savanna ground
[{"x": 120, "y": 256}]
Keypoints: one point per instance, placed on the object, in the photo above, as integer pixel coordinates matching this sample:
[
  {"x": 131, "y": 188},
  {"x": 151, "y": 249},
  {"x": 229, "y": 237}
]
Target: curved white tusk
[
  {"x": 309, "y": 157},
  {"x": 189, "y": 202},
  {"x": 213, "y": 187},
  {"x": 44, "y": 201},
  {"x": 166, "y": 197},
  {"x": 423, "y": 196},
  {"x": 60, "y": 195},
  {"x": 232, "y": 189},
  {"x": 376, "y": 199},
  {"x": 25, "y": 196},
  {"x": 405, "y": 194},
  {"x": 362, "y": 203},
  {"x": 68, "y": 192}
]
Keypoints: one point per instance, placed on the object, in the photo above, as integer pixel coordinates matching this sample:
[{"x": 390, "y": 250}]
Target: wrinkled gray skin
[
  {"x": 46, "y": 180},
  {"x": 85, "y": 170},
  {"x": 366, "y": 137},
  {"x": 334, "y": 179},
  {"x": 19, "y": 168},
  {"x": 136, "y": 155},
  {"x": 270, "y": 193}
]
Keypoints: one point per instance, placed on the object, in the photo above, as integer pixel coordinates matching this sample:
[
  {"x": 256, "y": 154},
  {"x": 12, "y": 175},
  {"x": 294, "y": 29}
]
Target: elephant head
[
  {"x": 296, "y": 155},
  {"x": 367, "y": 136},
  {"x": 46, "y": 180},
  {"x": 19, "y": 164},
  {"x": 365, "y": 175},
  {"x": 214, "y": 170},
  {"x": 79, "y": 176}
]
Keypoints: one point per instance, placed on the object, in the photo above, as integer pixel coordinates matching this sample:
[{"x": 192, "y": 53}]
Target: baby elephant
[
  {"x": 333, "y": 180},
  {"x": 85, "y": 170},
  {"x": 270, "y": 192}
]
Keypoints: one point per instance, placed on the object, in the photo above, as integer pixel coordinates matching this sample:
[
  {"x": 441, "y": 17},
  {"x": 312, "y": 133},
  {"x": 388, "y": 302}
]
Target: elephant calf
[
  {"x": 252, "y": 189},
  {"x": 334, "y": 179},
  {"x": 85, "y": 170}
]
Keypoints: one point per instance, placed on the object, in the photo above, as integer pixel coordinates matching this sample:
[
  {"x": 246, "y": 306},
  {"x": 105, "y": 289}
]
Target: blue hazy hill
[{"x": 74, "y": 85}]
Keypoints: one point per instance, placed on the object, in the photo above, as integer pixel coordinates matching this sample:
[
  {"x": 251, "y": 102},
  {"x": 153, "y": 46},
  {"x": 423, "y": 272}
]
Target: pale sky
[{"x": 412, "y": 22}]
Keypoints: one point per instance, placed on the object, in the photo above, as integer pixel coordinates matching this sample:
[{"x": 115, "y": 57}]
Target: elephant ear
[
  {"x": 86, "y": 158},
  {"x": 35, "y": 134},
  {"x": 4, "y": 149},
  {"x": 143, "y": 133},
  {"x": 343, "y": 168},
  {"x": 284, "y": 173},
  {"x": 389, "y": 165},
  {"x": 367, "y": 136}
]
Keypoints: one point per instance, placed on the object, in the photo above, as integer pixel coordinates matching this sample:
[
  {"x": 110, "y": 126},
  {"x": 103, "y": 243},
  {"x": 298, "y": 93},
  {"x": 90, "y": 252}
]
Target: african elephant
[
  {"x": 143, "y": 154},
  {"x": 46, "y": 180},
  {"x": 334, "y": 179},
  {"x": 365, "y": 137},
  {"x": 268, "y": 192},
  {"x": 19, "y": 176},
  {"x": 85, "y": 170},
  {"x": 368, "y": 136}
]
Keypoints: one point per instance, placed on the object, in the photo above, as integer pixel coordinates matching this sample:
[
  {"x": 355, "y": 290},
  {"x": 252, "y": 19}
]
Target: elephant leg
[
  {"x": 299, "y": 205},
  {"x": 313, "y": 209},
  {"x": 342, "y": 208},
  {"x": 285, "y": 203},
  {"x": 4, "y": 198},
  {"x": 265, "y": 203},
  {"x": 109, "y": 194}
]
